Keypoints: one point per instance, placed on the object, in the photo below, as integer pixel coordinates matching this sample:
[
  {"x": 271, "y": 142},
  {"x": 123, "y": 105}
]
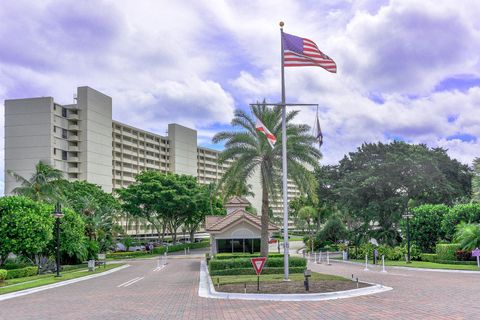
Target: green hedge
[
  {"x": 428, "y": 257},
  {"x": 22, "y": 272},
  {"x": 242, "y": 263},
  {"x": 250, "y": 271},
  {"x": 446, "y": 251},
  {"x": 159, "y": 250},
  {"x": 3, "y": 274},
  {"x": 223, "y": 256}
]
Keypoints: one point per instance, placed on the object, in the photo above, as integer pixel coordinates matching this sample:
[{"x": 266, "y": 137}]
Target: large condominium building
[{"x": 84, "y": 142}]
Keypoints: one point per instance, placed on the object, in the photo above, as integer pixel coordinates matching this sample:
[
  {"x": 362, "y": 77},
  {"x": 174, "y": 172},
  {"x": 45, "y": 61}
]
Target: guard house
[{"x": 238, "y": 231}]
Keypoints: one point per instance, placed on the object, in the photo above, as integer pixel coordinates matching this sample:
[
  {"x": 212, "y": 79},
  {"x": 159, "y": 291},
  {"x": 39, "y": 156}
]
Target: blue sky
[{"x": 407, "y": 70}]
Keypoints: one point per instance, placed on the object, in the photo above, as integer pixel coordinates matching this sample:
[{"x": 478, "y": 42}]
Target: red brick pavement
[{"x": 173, "y": 294}]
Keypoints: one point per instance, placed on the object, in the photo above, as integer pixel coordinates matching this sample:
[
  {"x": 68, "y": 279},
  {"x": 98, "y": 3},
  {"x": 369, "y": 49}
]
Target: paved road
[{"x": 172, "y": 293}]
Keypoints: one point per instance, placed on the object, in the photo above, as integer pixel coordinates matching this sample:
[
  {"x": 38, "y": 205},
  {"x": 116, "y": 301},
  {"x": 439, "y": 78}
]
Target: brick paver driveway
[{"x": 172, "y": 293}]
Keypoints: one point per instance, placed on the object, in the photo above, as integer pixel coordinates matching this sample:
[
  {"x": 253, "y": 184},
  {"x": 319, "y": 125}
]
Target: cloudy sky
[{"x": 407, "y": 70}]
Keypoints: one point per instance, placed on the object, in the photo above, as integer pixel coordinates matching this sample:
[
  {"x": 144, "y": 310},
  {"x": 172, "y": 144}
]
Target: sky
[{"x": 407, "y": 70}]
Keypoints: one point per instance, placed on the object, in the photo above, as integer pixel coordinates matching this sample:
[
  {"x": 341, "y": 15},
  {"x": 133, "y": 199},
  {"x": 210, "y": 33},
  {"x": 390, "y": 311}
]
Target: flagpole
[{"x": 284, "y": 164}]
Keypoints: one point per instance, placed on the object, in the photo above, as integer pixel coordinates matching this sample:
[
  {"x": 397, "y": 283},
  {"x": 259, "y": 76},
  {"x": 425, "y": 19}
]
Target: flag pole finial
[{"x": 281, "y": 24}]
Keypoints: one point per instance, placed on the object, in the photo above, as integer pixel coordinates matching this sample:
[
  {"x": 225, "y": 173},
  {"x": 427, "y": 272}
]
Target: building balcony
[
  {"x": 73, "y": 159},
  {"x": 73, "y": 138},
  {"x": 73, "y": 170},
  {"x": 73, "y": 149},
  {"x": 73, "y": 116},
  {"x": 74, "y": 127}
]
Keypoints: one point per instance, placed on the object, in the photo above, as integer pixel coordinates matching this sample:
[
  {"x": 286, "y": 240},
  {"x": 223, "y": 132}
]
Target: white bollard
[
  {"x": 185, "y": 251},
  {"x": 478, "y": 261},
  {"x": 383, "y": 263},
  {"x": 188, "y": 250},
  {"x": 366, "y": 263},
  {"x": 320, "y": 256},
  {"x": 328, "y": 258},
  {"x": 165, "y": 258},
  {"x": 315, "y": 257}
]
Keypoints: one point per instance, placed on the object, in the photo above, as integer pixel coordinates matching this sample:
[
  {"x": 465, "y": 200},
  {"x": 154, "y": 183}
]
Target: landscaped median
[
  {"x": 235, "y": 273},
  {"x": 29, "y": 282},
  {"x": 158, "y": 250}
]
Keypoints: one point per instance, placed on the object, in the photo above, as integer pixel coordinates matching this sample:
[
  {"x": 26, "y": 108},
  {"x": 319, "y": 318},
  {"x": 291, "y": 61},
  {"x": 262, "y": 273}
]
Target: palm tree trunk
[{"x": 265, "y": 222}]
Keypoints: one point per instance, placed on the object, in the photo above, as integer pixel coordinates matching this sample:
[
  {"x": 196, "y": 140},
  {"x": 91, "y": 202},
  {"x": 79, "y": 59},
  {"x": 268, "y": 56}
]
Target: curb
[
  {"x": 25, "y": 292},
  {"x": 411, "y": 268},
  {"x": 206, "y": 289}
]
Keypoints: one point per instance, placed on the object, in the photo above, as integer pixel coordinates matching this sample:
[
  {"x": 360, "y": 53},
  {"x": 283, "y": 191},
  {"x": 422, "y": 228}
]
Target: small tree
[
  {"x": 25, "y": 227},
  {"x": 468, "y": 236},
  {"x": 333, "y": 231}
]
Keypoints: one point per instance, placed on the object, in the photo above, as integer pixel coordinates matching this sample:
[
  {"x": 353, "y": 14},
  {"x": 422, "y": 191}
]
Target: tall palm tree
[
  {"x": 43, "y": 185},
  {"x": 251, "y": 154}
]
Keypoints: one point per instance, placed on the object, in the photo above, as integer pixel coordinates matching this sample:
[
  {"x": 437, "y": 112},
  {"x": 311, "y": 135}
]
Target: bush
[
  {"x": 180, "y": 247},
  {"x": 240, "y": 263},
  {"x": 223, "y": 256},
  {"x": 446, "y": 251},
  {"x": 463, "y": 255},
  {"x": 250, "y": 271},
  {"x": 428, "y": 257},
  {"x": 3, "y": 275},
  {"x": 22, "y": 272},
  {"x": 125, "y": 255},
  {"x": 469, "y": 213}
]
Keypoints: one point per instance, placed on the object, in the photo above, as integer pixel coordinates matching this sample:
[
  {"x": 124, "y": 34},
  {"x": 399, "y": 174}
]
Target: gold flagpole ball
[{"x": 281, "y": 23}]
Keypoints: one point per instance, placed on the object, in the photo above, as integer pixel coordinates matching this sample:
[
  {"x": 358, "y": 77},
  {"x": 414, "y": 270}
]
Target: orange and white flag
[{"x": 262, "y": 128}]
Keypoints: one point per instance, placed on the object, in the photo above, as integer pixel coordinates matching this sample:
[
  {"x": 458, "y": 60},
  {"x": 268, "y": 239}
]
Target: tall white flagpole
[{"x": 284, "y": 164}]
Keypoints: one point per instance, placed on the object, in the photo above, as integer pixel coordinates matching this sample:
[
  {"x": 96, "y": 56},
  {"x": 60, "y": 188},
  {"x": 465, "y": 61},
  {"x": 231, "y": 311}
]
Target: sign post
[
  {"x": 476, "y": 253},
  {"x": 258, "y": 264}
]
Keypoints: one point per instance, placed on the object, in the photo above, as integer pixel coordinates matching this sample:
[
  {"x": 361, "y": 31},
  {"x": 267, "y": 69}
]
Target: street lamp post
[
  {"x": 57, "y": 215},
  {"x": 408, "y": 216}
]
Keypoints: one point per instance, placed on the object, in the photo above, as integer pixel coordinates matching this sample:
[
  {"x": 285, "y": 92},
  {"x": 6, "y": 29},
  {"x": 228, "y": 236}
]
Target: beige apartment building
[{"x": 83, "y": 141}]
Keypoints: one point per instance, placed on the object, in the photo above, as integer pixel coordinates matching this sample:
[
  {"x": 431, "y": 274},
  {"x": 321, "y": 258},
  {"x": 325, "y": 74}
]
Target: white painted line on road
[
  {"x": 206, "y": 289},
  {"x": 158, "y": 268},
  {"x": 139, "y": 279},
  {"x": 58, "y": 284},
  {"x": 125, "y": 283}
]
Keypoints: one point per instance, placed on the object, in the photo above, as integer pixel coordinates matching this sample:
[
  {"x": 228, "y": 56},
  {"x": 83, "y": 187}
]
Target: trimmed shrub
[
  {"x": 250, "y": 271},
  {"x": 242, "y": 263},
  {"x": 3, "y": 274},
  {"x": 428, "y": 257},
  {"x": 223, "y": 256},
  {"x": 126, "y": 255},
  {"x": 179, "y": 247},
  {"x": 21, "y": 273},
  {"x": 446, "y": 251}
]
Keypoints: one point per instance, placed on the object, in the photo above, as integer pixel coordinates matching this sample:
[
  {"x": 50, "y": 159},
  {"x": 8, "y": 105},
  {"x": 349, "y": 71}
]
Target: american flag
[{"x": 299, "y": 52}]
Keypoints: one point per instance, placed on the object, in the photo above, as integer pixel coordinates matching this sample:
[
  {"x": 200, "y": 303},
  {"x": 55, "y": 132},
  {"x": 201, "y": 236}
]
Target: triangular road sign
[{"x": 258, "y": 264}]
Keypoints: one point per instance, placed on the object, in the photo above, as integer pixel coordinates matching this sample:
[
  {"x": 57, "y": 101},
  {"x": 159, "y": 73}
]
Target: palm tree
[
  {"x": 468, "y": 235},
  {"x": 250, "y": 154},
  {"x": 43, "y": 185}
]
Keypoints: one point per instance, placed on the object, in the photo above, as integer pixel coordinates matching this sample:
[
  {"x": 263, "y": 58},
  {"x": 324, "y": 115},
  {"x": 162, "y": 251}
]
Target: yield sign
[{"x": 258, "y": 264}]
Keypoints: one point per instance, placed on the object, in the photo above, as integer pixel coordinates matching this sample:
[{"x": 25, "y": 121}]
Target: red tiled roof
[{"x": 228, "y": 220}]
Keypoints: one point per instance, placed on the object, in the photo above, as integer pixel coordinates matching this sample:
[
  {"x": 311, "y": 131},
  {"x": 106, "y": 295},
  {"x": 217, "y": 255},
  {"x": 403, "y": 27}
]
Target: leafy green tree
[
  {"x": 333, "y": 231},
  {"x": 425, "y": 225},
  {"x": 144, "y": 199},
  {"x": 468, "y": 236},
  {"x": 250, "y": 154},
  {"x": 73, "y": 246},
  {"x": 25, "y": 227},
  {"x": 468, "y": 213},
  {"x": 43, "y": 185},
  {"x": 476, "y": 180},
  {"x": 375, "y": 183}
]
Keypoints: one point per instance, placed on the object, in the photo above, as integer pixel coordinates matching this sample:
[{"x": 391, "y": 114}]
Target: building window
[
  {"x": 64, "y": 133},
  {"x": 54, "y": 151},
  {"x": 54, "y": 129},
  {"x": 64, "y": 112},
  {"x": 64, "y": 155}
]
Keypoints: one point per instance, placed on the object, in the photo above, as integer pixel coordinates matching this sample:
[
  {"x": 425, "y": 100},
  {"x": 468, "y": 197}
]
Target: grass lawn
[
  {"x": 274, "y": 278},
  {"x": 292, "y": 238},
  {"x": 18, "y": 284},
  {"x": 427, "y": 265}
]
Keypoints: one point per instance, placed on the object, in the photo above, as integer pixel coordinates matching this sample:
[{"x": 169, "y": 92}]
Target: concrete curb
[
  {"x": 411, "y": 268},
  {"x": 17, "y": 294},
  {"x": 206, "y": 289}
]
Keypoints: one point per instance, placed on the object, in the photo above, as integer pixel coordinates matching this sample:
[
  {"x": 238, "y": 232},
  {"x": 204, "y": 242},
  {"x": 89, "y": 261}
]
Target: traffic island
[{"x": 208, "y": 289}]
